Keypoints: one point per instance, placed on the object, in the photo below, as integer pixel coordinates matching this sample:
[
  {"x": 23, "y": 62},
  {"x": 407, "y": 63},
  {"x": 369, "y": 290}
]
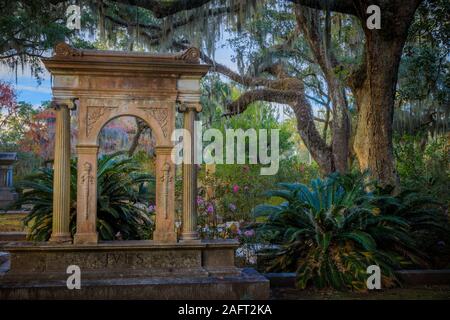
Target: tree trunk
[
  {"x": 374, "y": 86},
  {"x": 311, "y": 137},
  {"x": 375, "y": 101},
  {"x": 340, "y": 125},
  {"x": 140, "y": 127}
]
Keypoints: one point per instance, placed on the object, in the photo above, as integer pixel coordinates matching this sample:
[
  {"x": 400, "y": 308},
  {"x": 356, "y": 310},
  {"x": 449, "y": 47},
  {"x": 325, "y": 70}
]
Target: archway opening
[{"x": 126, "y": 189}]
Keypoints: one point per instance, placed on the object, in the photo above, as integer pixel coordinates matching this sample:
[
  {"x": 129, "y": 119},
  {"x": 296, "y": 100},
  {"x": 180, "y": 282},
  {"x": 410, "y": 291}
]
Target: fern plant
[
  {"x": 333, "y": 229},
  {"x": 123, "y": 196}
]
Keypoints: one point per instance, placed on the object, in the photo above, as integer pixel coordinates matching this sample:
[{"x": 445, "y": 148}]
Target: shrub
[{"x": 422, "y": 162}]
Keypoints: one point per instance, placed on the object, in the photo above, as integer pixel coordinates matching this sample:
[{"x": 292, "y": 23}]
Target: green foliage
[
  {"x": 123, "y": 195},
  {"x": 28, "y": 29},
  {"x": 422, "y": 164},
  {"x": 331, "y": 230}
]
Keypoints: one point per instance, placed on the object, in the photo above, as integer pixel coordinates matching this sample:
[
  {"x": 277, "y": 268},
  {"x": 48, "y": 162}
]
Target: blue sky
[{"x": 27, "y": 87}]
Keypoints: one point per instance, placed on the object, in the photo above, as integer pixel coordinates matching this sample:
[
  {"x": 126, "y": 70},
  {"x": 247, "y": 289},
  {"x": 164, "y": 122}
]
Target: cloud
[{"x": 40, "y": 89}]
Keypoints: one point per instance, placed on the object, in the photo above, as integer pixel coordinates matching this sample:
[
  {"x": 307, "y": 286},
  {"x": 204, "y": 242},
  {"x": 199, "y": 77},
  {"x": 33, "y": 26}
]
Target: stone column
[
  {"x": 61, "y": 175},
  {"x": 87, "y": 195},
  {"x": 189, "y": 232}
]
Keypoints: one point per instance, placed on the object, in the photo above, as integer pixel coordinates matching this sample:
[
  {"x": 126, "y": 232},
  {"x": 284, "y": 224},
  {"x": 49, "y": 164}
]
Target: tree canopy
[{"x": 348, "y": 87}]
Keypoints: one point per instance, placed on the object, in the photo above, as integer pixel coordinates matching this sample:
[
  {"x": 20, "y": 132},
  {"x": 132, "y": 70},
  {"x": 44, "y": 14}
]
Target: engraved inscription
[{"x": 100, "y": 260}]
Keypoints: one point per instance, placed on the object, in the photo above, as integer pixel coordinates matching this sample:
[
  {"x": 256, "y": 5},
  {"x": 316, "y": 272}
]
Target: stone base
[
  {"x": 61, "y": 238},
  {"x": 168, "y": 237},
  {"x": 85, "y": 238},
  {"x": 130, "y": 270},
  {"x": 247, "y": 285},
  {"x": 7, "y": 197}
]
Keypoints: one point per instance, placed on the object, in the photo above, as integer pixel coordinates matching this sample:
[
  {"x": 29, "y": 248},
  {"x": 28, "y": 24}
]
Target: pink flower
[
  {"x": 249, "y": 233},
  {"x": 235, "y": 188},
  {"x": 200, "y": 201}
]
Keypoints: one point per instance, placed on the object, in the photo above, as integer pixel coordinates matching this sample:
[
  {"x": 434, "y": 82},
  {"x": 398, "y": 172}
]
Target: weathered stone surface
[
  {"x": 130, "y": 270},
  {"x": 247, "y": 285},
  {"x": 12, "y": 236}
]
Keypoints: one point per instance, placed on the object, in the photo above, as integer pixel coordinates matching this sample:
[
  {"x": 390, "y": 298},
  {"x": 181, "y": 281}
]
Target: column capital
[
  {"x": 190, "y": 106},
  {"x": 58, "y": 103}
]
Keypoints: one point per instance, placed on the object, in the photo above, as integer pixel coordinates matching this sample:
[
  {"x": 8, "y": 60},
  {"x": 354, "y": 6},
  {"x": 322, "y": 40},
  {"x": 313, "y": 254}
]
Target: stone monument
[
  {"x": 103, "y": 85},
  {"x": 7, "y": 193}
]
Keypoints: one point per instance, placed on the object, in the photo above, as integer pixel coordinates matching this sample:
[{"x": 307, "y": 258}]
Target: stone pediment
[{"x": 73, "y": 60}]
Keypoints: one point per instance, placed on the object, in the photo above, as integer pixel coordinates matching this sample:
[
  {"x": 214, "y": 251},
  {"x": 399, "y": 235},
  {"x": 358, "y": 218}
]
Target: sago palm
[
  {"x": 332, "y": 230},
  {"x": 123, "y": 196}
]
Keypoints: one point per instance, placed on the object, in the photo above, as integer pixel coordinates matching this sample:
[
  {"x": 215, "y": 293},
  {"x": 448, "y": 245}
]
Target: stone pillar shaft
[
  {"x": 189, "y": 231},
  {"x": 61, "y": 176}
]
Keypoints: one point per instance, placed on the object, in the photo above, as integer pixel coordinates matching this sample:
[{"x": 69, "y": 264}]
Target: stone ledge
[
  {"x": 119, "y": 259},
  {"x": 9, "y": 236},
  {"x": 248, "y": 285},
  {"x": 115, "y": 245}
]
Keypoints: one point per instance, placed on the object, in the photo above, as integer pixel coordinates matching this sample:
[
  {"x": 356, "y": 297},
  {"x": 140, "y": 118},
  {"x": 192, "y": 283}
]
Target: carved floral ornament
[
  {"x": 87, "y": 180},
  {"x": 94, "y": 113},
  {"x": 64, "y": 50},
  {"x": 166, "y": 178},
  {"x": 191, "y": 55},
  {"x": 161, "y": 115}
]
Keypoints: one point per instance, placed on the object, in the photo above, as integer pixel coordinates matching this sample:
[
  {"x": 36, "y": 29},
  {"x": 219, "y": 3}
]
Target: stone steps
[{"x": 248, "y": 285}]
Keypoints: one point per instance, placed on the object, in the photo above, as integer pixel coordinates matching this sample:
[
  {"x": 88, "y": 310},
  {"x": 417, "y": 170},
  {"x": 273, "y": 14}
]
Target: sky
[{"x": 27, "y": 87}]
